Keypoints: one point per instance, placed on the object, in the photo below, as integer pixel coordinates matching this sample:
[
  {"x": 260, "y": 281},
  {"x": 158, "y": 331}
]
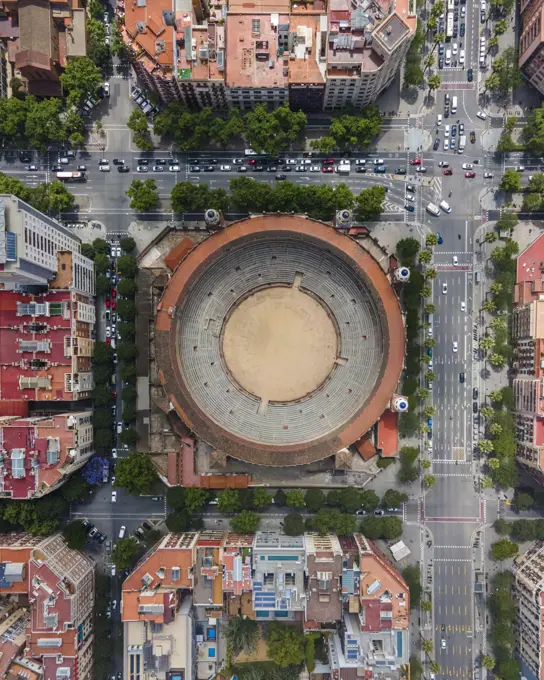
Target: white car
[
  {"x": 439, "y": 119},
  {"x": 113, "y": 570},
  {"x": 463, "y": 306},
  {"x": 104, "y": 168},
  {"x": 118, "y": 251},
  {"x": 489, "y": 175},
  {"x": 378, "y": 161},
  {"x": 119, "y": 427},
  {"x": 462, "y": 57},
  {"x": 444, "y": 288},
  {"x": 225, "y": 168},
  {"x": 446, "y": 145},
  {"x": 315, "y": 168},
  {"x": 481, "y": 115},
  {"x": 290, "y": 161},
  {"x": 463, "y": 10},
  {"x": 174, "y": 168},
  {"x": 306, "y": 161},
  {"x": 107, "y": 89},
  {"x": 114, "y": 496},
  {"x": 410, "y": 197},
  {"x": 108, "y": 331},
  {"x": 455, "y": 345},
  {"x": 443, "y": 643},
  {"x": 430, "y": 331},
  {"x": 360, "y": 161},
  {"x": 446, "y": 130},
  {"x": 454, "y": 48},
  {"x": 142, "y": 168},
  {"x": 467, "y": 166},
  {"x": 520, "y": 168},
  {"x": 421, "y": 168},
  {"x": 238, "y": 161},
  {"x": 455, "y": 261},
  {"x": 443, "y": 164}
]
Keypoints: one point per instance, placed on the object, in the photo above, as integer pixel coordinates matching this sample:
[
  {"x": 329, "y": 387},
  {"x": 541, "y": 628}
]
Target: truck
[
  {"x": 449, "y": 26},
  {"x": 71, "y": 176},
  {"x": 105, "y": 472},
  {"x": 462, "y": 143},
  {"x": 343, "y": 168}
]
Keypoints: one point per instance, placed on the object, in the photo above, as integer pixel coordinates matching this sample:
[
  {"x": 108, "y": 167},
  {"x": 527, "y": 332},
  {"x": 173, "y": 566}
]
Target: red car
[
  {"x": 113, "y": 293},
  {"x": 252, "y": 161},
  {"x": 415, "y": 161},
  {"x": 113, "y": 393},
  {"x": 470, "y": 175},
  {"x": 108, "y": 302},
  {"x": 448, "y": 172},
  {"x": 328, "y": 161},
  {"x": 108, "y": 340},
  {"x": 327, "y": 168},
  {"x": 113, "y": 304}
]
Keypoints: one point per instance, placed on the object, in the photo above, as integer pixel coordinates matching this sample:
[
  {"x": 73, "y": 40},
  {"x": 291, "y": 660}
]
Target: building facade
[
  {"x": 529, "y": 597},
  {"x": 531, "y": 42}
]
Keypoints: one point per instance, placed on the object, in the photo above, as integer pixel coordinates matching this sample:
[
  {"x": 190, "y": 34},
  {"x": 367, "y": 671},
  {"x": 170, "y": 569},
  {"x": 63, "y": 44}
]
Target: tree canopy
[
  {"x": 124, "y": 553},
  {"x": 135, "y": 473},
  {"x": 143, "y": 194},
  {"x": 286, "y": 644}
]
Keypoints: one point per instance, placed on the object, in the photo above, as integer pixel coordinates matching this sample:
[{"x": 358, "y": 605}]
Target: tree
[
  {"x": 431, "y": 240},
  {"x": 393, "y": 498},
  {"x": 127, "y": 330},
  {"x": 351, "y": 131},
  {"x": 314, "y": 499},
  {"x": 491, "y": 237},
  {"x": 295, "y": 498},
  {"x": 426, "y": 291},
  {"x": 504, "y": 549},
  {"x": 369, "y": 500},
  {"x": 102, "y": 285},
  {"x": 241, "y": 635},
  {"x": 128, "y": 373},
  {"x": 126, "y": 310},
  {"x": 293, "y": 525},
  {"x": 496, "y": 396},
  {"x": 370, "y": 202},
  {"x": 430, "y": 274},
  {"x": 495, "y": 429},
  {"x": 246, "y": 522},
  {"x": 426, "y": 464},
  {"x": 80, "y": 78},
  {"x": 175, "y": 497},
  {"x": 143, "y": 194},
  {"x": 127, "y": 288},
  {"x": 487, "y": 343},
  {"x": 416, "y": 668},
  {"x": 128, "y": 244},
  {"x": 532, "y": 202},
  {"x": 273, "y": 131},
  {"x": 127, "y": 266},
  {"x": 350, "y": 499},
  {"x": 497, "y": 360},
  {"x": 524, "y": 501},
  {"x": 97, "y": 47},
  {"x": 411, "y": 575},
  {"x": 228, "y": 501},
  {"x": 407, "y": 249},
  {"x": 126, "y": 351},
  {"x": 434, "y": 82},
  {"x": 511, "y": 181},
  {"x": 138, "y": 123},
  {"x": 124, "y": 552},
  {"x": 102, "y": 395},
  {"x": 429, "y": 411},
  {"x": 285, "y": 644},
  {"x": 434, "y": 666},
  {"x": 261, "y": 498},
  {"x": 501, "y": 27},
  {"x": 427, "y": 646},
  {"x": 75, "y": 535},
  {"x": 135, "y": 473},
  {"x": 58, "y": 196},
  {"x": 178, "y": 521},
  {"x": 280, "y": 499},
  {"x": 43, "y": 123},
  {"x": 425, "y": 257},
  {"x": 427, "y": 606},
  {"x": 429, "y": 480},
  {"x": 485, "y": 446},
  {"x": 429, "y": 308}
]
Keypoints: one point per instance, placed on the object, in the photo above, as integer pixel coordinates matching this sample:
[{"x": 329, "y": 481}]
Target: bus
[
  {"x": 71, "y": 176},
  {"x": 250, "y": 152},
  {"x": 451, "y": 6},
  {"x": 449, "y": 26}
]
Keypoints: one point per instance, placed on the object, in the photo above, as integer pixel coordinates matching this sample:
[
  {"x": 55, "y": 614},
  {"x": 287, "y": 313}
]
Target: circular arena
[{"x": 279, "y": 341}]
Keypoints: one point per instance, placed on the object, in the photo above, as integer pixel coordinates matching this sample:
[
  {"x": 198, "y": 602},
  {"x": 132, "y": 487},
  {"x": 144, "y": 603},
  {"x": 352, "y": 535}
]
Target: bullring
[{"x": 279, "y": 340}]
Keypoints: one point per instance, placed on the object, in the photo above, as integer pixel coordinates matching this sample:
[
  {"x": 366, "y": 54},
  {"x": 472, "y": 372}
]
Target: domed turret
[
  {"x": 213, "y": 219},
  {"x": 399, "y": 404},
  {"x": 402, "y": 274},
  {"x": 343, "y": 219}
]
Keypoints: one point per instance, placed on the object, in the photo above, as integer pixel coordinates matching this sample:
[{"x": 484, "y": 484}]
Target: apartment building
[
  {"x": 47, "y": 342},
  {"x": 36, "y": 250},
  {"x": 179, "y": 598},
  {"x": 529, "y": 598},
  {"x": 239, "y": 54},
  {"x": 531, "y": 42},
  {"x": 38, "y": 454},
  {"x": 528, "y": 361},
  {"x": 42, "y": 36},
  {"x": 47, "y": 601}
]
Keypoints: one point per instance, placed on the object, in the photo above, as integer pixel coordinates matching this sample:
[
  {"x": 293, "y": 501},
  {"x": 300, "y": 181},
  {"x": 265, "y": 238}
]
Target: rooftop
[{"x": 530, "y": 262}]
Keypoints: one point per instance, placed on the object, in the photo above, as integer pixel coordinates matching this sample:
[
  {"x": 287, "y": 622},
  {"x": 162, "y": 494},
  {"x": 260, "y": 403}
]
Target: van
[
  {"x": 122, "y": 531},
  {"x": 430, "y": 319},
  {"x": 445, "y": 206},
  {"x": 478, "y": 276},
  {"x": 104, "y": 168},
  {"x": 448, "y": 57},
  {"x": 433, "y": 209},
  {"x": 454, "y": 104}
]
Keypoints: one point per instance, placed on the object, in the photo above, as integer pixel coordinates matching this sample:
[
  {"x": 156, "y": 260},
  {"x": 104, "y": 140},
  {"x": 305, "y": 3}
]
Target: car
[
  {"x": 291, "y": 161},
  {"x": 142, "y": 168},
  {"x": 81, "y": 168},
  {"x": 461, "y": 128},
  {"x": 441, "y": 63},
  {"x": 453, "y": 144},
  {"x": 454, "y": 48},
  {"x": 143, "y": 161},
  {"x": 331, "y": 161},
  {"x": 481, "y": 115},
  {"x": 446, "y": 145},
  {"x": 327, "y": 168},
  {"x": 461, "y": 378},
  {"x": 378, "y": 161},
  {"x": 461, "y": 57},
  {"x": 441, "y": 49},
  {"x": 455, "y": 346},
  {"x": 446, "y": 112},
  {"x": 118, "y": 161},
  {"x": 446, "y": 131},
  {"x": 411, "y": 188},
  {"x": 416, "y": 161},
  {"x": 382, "y": 169},
  {"x": 211, "y": 168},
  {"x": 519, "y": 168},
  {"x": 430, "y": 331},
  {"x": 473, "y": 138},
  {"x": 400, "y": 171},
  {"x": 470, "y": 75},
  {"x": 161, "y": 161},
  {"x": 444, "y": 288},
  {"x": 379, "y": 512},
  {"x": 158, "y": 168},
  {"x": 196, "y": 168},
  {"x": 467, "y": 166},
  {"x": 360, "y": 512},
  {"x": 31, "y": 167},
  {"x": 443, "y": 643},
  {"x": 443, "y": 164},
  {"x": 157, "y": 499},
  {"x": 108, "y": 301},
  {"x": 455, "y": 30},
  {"x": 359, "y": 161},
  {"x": 57, "y": 168},
  {"x": 280, "y": 177},
  {"x": 410, "y": 197},
  {"x": 360, "y": 169},
  {"x": 225, "y": 168},
  {"x": 454, "y": 130},
  {"x": 123, "y": 168},
  {"x": 93, "y": 532},
  {"x": 463, "y": 306},
  {"x": 136, "y": 92},
  {"x": 108, "y": 331},
  {"x": 470, "y": 175},
  {"x": 436, "y": 144},
  {"x": 409, "y": 208},
  {"x": 440, "y": 242},
  {"x": 238, "y": 161},
  {"x": 114, "y": 496},
  {"x": 455, "y": 261},
  {"x": 299, "y": 168},
  {"x": 421, "y": 169}
]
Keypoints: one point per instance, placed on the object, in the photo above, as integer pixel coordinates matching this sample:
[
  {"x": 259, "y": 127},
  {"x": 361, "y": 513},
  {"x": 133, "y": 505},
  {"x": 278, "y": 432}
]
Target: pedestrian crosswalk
[{"x": 436, "y": 184}]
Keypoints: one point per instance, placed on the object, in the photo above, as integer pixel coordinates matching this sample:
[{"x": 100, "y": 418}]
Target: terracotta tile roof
[
  {"x": 365, "y": 448},
  {"x": 388, "y": 434}
]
